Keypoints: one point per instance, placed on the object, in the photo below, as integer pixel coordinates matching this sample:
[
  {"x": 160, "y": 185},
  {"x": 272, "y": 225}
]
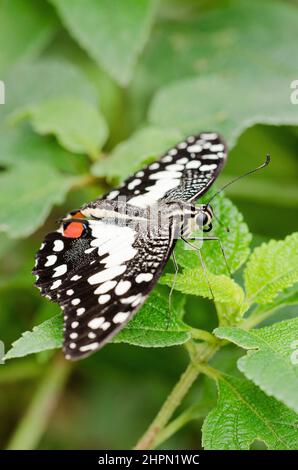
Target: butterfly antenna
[{"x": 266, "y": 162}]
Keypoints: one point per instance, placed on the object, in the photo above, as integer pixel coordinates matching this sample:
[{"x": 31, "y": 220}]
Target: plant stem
[
  {"x": 148, "y": 440},
  {"x": 35, "y": 420},
  {"x": 192, "y": 413},
  {"x": 151, "y": 437},
  {"x": 257, "y": 317}
]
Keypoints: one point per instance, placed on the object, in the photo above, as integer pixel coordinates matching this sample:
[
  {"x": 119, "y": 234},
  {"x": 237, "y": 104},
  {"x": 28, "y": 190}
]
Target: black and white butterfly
[{"x": 106, "y": 257}]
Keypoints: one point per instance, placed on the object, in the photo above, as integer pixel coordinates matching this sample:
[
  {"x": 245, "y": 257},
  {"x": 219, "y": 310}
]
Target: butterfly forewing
[{"x": 184, "y": 172}]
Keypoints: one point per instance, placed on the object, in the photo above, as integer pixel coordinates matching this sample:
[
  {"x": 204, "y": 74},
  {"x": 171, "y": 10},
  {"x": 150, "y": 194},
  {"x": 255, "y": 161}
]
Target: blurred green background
[{"x": 93, "y": 89}]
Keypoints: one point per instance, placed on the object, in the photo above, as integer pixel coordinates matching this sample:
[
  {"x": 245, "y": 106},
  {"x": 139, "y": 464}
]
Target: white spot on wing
[
  {"x": 60, "y": 270},
  {"x": 212, "y": 166},
  {"x": 144, "y": 277},
  {"x": 112, "y": 194},
  {"x": 122, "y": 287},
  {"x": 58, "y": 245},
  {"x": 193, "y": 165},
  {"x": 56, "y": 284},
  {"x": 89, "y": 347},
  {"x": 51, "y": 259},
  {"x": 120, "y": 317},
  {"x": 103, "y": 299},
  {"x": 106, "y": 275},
  {"x": 134, "y": 183},
  {"x": 96, "y": 322},
  {"x": 105, "y": 287}
]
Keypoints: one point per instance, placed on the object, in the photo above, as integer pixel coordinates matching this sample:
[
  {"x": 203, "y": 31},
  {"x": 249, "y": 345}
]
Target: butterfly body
[{"x": 105, "y": 258}]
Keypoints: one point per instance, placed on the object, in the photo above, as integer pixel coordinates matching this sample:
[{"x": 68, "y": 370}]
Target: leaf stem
[
  {"x": 199, "y": 354},
  {"x": 35, "y": 420}
]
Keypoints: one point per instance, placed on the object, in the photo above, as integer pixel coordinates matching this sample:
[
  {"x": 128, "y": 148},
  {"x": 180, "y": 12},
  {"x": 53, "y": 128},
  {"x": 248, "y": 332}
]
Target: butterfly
[{"x": 106, "y": 257}]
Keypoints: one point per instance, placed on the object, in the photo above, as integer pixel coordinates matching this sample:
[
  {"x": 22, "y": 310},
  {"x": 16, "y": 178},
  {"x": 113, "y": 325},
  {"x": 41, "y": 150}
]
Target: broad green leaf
[
  {"x": 272, "y": 358},
  {"x": 271, "y": 268},
  {"x": 28, "y": 192},
  {"x": 128, "y": 156},
  {"x": 235, "y": 242},
  {"x": 225, "y": 290},
  {"x": 228, "y": 104},
  {"x": 47, "y": 335},
  {"x": 31, "y": 84},
  {"x": 243, "y": 414},
  {"x": 155, "y": 325},
  {"x": 78, "y": 125},
  {"x": 113, "y": 33},
  {"x": 26, "y": 26},
  {"x": 255, "y": 37}
]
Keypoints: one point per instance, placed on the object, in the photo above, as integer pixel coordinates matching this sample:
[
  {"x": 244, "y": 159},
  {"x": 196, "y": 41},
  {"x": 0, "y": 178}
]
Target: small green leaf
[
  {"x": 28, "y": 192},
  {"x": 235, "y": 242},
  {"x": 223, "y": 104},
  {"x": 26, "y": 26},
  {"x": 271, "y": 268},
  {"x": 128, "y": 156},
  {"x": 20, "y": 145},
  {"x": 47, "y": 335},
  {"x": 225, "y": 290},
  {"x": 272, "y": 358},
  {"x": 243, "y": 414},
  {"x": 78, "y": 125},
  {"x": 156, "y": 326},
  {"x": 113, "y": 33}
]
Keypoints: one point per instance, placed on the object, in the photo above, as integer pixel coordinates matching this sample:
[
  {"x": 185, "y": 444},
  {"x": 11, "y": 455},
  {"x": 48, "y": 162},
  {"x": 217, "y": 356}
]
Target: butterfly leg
[
  {"x": 202, "y": 263},
  {"x": 221, "y": 248},
  {"x": 174, "y": 282}
]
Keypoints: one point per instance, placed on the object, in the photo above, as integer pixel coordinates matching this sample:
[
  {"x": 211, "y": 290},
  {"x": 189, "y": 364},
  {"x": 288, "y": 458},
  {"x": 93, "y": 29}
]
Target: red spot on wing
[{"x": 73, "y": 230}]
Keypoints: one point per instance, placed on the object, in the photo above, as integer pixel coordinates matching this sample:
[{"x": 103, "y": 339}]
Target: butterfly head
[{"x": 204, "y": 216}]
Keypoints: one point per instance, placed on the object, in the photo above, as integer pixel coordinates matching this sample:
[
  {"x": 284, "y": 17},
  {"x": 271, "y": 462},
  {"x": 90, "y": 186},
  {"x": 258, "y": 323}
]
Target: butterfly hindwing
[{"x": 102, "y": 296}]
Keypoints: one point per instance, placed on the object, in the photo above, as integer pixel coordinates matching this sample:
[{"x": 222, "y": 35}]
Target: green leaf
[
  {"x": 19, "y": 145},
  {"x": 26, "y": 27},
  {"x": 156, "y": 326},
  {"x": 31, "y": 84},
  {"x": 272, "y": 358},
  {"x": 27, "y": 195},
  {"x": 128, "y": 156},
  {"x": 223, "y": 104},
  {"x": 271, "y": 268},
  {"x": 225, "y": 290},
  {"x": 113, "y": 33},
  {"x": 235, "y": 242},
  {"x": 47, "y": 335},
  {"x": 257, "y": 38},
  {"x": 78, "y": 125},
  {"x": 243, "y": 414},
  {"x": 153, "y": 326}
]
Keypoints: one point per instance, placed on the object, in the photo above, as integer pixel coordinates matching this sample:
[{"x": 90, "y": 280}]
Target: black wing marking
[
  {"x": 104, "y": 294},
  {"x": 185, "y": 172},
  {"x": 57, "y": 258}
]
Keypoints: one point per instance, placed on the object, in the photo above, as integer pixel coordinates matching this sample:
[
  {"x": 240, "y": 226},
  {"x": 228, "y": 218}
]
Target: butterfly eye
[{"x": 202, "y": 219}]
